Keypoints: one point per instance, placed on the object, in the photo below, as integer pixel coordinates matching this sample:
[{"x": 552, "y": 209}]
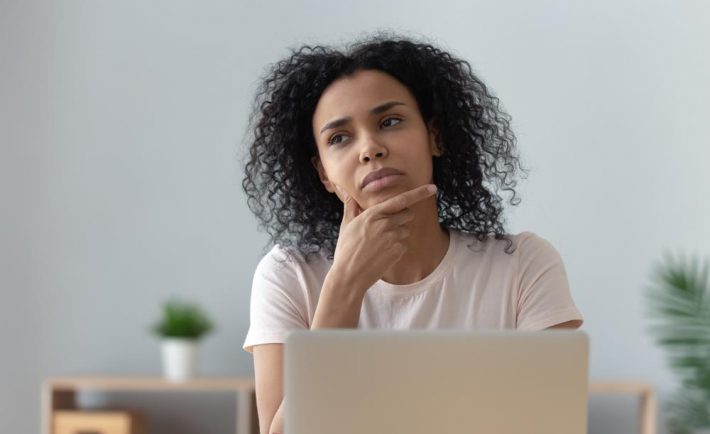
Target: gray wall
[{"x": 121, "y": 124}]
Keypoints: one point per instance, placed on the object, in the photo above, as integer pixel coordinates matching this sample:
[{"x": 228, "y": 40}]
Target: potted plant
[
  {"x": 180, "y": 328},
  {"x": 679, "y": 301}
]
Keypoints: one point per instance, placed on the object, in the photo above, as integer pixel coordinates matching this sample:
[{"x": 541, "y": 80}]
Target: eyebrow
[{"x": 373, "y": 111}]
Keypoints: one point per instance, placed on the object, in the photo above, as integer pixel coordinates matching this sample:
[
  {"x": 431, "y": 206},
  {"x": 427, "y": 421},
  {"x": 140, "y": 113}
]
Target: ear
[
  {"x": 434, "y": 145},
  {"x": 322, "y": 175}
]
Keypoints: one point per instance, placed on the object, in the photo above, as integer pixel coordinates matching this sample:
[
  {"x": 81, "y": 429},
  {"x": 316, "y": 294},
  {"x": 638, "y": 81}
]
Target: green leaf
[
  {"x": 182, "y": 320},
  {"x": 678, "y": 301}
]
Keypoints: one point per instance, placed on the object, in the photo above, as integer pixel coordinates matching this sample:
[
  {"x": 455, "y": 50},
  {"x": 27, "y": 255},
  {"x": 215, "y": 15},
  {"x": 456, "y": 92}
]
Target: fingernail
[{"x": 431, "y": 188}]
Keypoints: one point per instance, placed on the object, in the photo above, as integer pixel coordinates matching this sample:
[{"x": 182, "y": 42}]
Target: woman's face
[{"x": 356, "y": 135}]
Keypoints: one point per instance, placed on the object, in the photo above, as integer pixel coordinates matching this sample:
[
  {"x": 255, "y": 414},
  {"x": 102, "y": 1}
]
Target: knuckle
[
  {"x": 379, "y": 225},
  {"x": 391, "y": 237}
]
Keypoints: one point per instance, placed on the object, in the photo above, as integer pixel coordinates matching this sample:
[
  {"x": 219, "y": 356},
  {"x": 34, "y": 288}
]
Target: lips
[{"x": 377, "y": 174}]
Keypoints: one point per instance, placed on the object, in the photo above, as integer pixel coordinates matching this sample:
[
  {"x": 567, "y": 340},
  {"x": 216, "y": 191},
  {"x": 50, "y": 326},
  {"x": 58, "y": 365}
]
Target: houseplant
[
  {"x": 679, "y": 302},
  {"x": 181, "y": 327}
]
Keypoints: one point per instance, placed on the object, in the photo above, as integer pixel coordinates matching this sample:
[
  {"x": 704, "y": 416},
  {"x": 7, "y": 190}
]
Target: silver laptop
[{"x": 354, "y": 381}]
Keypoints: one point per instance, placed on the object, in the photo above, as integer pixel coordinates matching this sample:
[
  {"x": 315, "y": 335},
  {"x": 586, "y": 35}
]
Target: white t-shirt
[{"x": 475, "y": 286}]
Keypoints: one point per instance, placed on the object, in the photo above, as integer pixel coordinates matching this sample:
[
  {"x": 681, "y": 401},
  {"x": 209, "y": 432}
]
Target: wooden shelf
[
  {"x": 60, "y": 394},
  {"x": 226, "y": 384},
  {"x": 640, "y": 389}
]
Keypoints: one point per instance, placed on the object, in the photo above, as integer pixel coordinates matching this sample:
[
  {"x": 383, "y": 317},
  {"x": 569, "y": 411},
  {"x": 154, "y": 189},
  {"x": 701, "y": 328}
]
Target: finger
[
  {"x": 400, "y": 218},
  {"x": 340, "y": 193},
  {"x": 403, "y": 233},
  {"x": 405, "y": 200},
  {"x": 351, "y": 209}
]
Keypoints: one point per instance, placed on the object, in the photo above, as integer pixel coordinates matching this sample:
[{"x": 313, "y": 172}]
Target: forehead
[{"x": 357, "y": 94}]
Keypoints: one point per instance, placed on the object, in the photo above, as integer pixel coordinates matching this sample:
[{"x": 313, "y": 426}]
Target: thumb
[{"x": 350, "y": 207}]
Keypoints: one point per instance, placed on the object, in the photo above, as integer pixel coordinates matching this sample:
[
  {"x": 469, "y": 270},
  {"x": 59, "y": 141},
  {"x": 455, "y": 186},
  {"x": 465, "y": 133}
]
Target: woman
[{"x": 373, "y": 170}]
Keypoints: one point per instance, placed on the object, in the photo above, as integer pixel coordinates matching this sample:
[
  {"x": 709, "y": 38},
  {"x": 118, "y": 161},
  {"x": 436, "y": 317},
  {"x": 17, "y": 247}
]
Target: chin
[{"x": 380, "y": 196}]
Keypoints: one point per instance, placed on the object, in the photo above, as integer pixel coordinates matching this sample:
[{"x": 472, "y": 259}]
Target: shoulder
[
  {"x": 522, "y": 242},
  {"x": 285, "y": 259},
  {"x": 278, "y": 257},
  {"x": 518, "y": 250},
  {"x": 531, "y": 244}
]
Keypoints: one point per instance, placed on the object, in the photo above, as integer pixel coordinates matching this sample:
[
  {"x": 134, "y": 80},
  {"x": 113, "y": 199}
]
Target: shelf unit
[
  {"x": 60, "y": 394},
  {"x": 644, "y": 391}
]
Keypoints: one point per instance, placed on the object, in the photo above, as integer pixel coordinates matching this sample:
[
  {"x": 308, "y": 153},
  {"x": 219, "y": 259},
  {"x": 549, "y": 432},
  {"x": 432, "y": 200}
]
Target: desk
[{"x": 60, "y": 394}]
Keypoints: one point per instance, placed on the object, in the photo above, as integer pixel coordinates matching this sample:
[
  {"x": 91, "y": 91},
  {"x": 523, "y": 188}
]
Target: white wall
[{"x": 121, "y": 125}]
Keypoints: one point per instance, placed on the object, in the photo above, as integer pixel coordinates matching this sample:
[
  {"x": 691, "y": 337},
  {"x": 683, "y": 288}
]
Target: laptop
[{"x": 355, "y": 381}]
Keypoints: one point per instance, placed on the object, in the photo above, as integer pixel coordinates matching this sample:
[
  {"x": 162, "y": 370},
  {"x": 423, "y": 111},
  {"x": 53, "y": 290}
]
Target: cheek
[{"x": 340, "y": 172}]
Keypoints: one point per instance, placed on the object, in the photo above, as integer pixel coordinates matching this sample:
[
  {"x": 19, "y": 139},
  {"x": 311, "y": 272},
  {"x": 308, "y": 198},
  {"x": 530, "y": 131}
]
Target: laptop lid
[{"x": 354, "y": 381}]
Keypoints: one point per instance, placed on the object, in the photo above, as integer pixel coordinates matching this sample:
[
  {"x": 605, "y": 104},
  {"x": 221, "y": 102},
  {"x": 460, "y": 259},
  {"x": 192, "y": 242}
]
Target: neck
[{"x": 427, "y": 246}]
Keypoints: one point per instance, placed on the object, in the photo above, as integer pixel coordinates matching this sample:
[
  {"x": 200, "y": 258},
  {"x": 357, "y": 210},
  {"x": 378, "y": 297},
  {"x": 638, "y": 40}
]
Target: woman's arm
[
  {"x": 277, "y": 426},
  {"x": 338, "y": 306},
  {"x": 574, "y": 324},
  {"x": 368, "y": 243},
  {"x": 268, "y": 373}
]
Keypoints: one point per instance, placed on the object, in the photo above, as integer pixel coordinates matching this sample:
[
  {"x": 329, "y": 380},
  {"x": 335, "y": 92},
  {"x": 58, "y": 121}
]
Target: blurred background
[{"x": 122, "y": 126}]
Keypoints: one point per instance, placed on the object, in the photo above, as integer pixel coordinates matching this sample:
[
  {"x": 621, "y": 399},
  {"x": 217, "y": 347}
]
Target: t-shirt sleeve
[
  {"x": 544, "y": 297},
  {"x": 277, "y": 304}
]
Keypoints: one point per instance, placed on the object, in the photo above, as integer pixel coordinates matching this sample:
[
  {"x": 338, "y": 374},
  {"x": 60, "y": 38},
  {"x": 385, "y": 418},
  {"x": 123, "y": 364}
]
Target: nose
[{"x": 372, "y": 150}]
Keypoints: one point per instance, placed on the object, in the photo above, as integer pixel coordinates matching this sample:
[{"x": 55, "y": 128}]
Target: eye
[
  {"x": 332, "y": 141},
  {"x": 392, "y": 119}
]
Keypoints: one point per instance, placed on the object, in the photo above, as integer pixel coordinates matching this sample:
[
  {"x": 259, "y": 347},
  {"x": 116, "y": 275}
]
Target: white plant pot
[{"x": 179, "y": 358}]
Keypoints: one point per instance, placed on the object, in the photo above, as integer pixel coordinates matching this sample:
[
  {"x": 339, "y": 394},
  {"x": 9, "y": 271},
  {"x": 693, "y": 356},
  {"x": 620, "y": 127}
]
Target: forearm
[
  {"x": 277, "y": 422},
  {"x": 339, "y": 303},
  {"x": 338, "y": 307}
]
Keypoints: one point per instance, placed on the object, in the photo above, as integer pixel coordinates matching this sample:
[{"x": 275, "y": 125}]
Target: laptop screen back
[{"x": 353, "y": 381}]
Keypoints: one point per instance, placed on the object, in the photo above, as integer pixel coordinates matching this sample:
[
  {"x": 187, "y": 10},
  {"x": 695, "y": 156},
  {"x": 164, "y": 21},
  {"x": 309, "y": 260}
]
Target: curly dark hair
[{"x": 283, "y": 188}]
